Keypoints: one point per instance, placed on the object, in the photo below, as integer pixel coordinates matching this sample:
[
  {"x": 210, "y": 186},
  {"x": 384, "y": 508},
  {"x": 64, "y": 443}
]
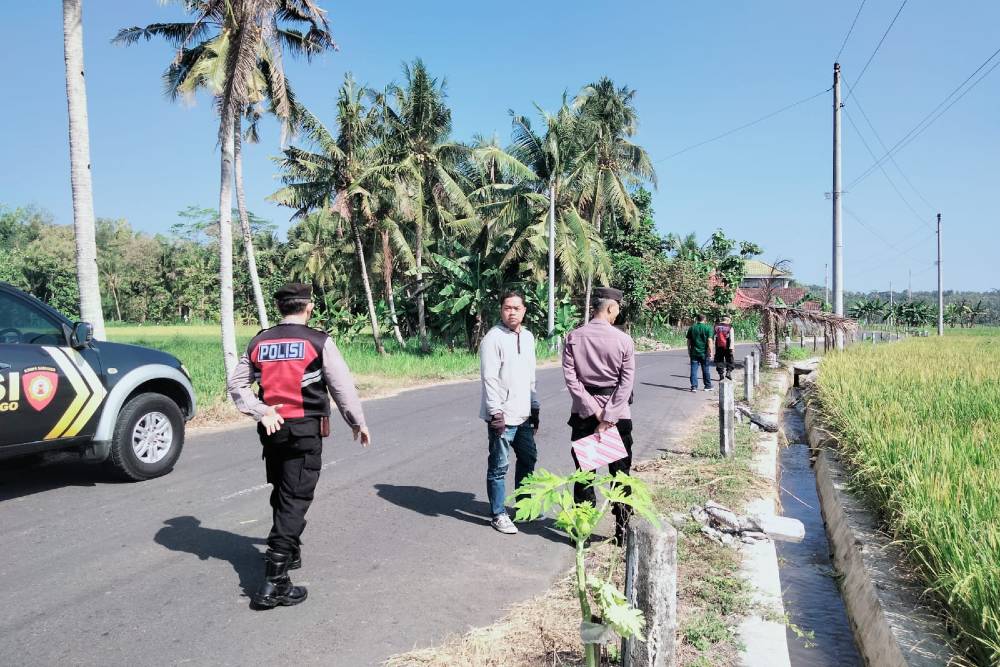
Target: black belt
[{"x": 600, "y": 391}]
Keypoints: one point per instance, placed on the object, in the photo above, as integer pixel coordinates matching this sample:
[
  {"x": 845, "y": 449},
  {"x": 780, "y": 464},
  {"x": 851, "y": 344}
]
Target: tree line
[
  {"x": 396, "y": 224},
  {"x": 959, "y": 310}
]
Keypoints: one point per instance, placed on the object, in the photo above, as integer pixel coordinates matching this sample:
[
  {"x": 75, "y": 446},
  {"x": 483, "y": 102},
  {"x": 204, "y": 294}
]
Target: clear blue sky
[{"x": 700, "y": 69}]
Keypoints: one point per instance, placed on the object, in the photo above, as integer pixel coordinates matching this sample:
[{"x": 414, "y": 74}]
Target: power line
[
  {"x": 744, "y": 126},
  {"x": 849, "y": 31},
  {"x": 928, "y": 119},
  {"x": 870, "y": 229},
  {"x": 892, "y": 246},
  {"x": 878, "y": 137},
  {"x": 882, "y": 258},
  {"x": 886, "y": 173},
  {"x": 850, "y": 89}
]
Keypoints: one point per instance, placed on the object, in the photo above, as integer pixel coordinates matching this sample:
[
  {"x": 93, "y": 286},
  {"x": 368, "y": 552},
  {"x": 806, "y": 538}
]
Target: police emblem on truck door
[{"x": 39, "y": 384}]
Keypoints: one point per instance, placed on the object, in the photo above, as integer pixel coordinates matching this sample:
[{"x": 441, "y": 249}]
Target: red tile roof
[{"x": 746, "y": 297}]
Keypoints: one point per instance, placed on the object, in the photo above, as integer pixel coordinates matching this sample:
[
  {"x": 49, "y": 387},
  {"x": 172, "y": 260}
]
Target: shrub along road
[{"x": 398, "y": 552}]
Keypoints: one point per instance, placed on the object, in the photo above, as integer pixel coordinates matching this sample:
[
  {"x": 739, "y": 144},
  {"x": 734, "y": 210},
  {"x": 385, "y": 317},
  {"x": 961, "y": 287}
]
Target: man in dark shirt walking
[
  {"x": 699, "y": 344},
  {"x": 296, "y": 367}
]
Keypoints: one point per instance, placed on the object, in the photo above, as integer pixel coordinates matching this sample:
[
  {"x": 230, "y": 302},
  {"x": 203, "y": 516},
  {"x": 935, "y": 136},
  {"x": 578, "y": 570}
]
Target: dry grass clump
[{"x": 542, "y": 631}]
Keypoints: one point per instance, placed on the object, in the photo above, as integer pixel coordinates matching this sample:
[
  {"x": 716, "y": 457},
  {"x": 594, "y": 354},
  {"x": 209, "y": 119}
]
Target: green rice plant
[{"x": 919, "y": 424}]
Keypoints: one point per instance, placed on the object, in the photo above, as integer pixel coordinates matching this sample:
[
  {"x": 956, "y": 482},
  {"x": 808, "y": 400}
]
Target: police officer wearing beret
[
  {"x": 599, "y": 369},
  {"x": 295, "y": 368}
]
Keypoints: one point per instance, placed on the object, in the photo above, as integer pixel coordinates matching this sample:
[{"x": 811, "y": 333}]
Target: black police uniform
[{"x": 295, "y": 367}]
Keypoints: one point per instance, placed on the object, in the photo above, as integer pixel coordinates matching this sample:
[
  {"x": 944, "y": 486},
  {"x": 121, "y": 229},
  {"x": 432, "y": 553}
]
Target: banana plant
[{"x": 470, "y": 294}]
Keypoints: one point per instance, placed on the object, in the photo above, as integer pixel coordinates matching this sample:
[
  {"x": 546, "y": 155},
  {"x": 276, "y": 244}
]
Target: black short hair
[
  {"x": 701, "y": 317},
  {"x": 292, "y": 306},
  {"x": 599, "y": 304},
  {"x": 510, "y": 294}
]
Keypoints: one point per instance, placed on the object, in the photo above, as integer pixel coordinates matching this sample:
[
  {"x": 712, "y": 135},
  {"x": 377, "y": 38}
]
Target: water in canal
[{"x": 819, "y": 634}]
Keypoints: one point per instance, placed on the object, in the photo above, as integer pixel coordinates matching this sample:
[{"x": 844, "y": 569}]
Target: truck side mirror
[{"x": 82, "y": 334}]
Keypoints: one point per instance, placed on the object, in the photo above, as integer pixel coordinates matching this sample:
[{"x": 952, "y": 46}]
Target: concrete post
[
  {"x": 651, "y": 586},
  {"x": 727, "y": 422},
  {"x": 756, "y": 368},
  {"x": 748, "y": 379}
]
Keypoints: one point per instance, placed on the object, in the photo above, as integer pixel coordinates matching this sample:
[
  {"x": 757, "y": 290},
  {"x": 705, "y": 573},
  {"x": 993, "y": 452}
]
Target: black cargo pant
[
  {"x": 724, "y": 363},
  {"x": 293, "y": 456},
  {"x": 581, "y": 428}
]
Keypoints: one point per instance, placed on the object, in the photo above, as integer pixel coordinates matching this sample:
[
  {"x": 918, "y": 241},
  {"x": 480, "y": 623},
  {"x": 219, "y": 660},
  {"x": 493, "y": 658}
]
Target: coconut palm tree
[
  {"x": 551, "y": 158},
  {"x": 223, "y": 49},
  {"x": 684, "y": 248},
  {"x": 514, "y": 208},
  {"x": 416, "y": 155},
  {"x": 610, "y": 164},
  {"x": 334, "y": 176},
  {"x": 313, "y": 254},
  {"x": 84, "y": 231}
]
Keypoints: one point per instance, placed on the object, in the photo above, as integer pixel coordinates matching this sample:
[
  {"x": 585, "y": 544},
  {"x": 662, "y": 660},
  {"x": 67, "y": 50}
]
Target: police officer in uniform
[
  {"x": 599, "y": 369},
  {"x": 295, "y": 367}
]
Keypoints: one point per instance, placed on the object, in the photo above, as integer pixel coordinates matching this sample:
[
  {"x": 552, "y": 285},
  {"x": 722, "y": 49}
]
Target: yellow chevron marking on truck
[
  {"x": 98, "y": 392},
  {"x": 79, "y": 386}
]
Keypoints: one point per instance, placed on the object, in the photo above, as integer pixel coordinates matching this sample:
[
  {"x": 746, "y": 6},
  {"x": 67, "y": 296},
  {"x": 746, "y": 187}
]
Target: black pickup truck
[{"x": 60, "y": 389}]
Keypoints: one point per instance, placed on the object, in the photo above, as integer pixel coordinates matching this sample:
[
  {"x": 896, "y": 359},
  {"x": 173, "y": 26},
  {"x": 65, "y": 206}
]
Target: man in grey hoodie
[{"x": 510, "y": 405}]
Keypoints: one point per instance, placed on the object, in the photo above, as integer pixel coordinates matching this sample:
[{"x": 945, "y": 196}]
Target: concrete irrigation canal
[{"x": 819, "y": 632}]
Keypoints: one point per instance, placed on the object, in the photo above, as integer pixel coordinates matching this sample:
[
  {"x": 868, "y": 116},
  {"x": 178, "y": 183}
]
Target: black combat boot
[
  {"x": 277, "y": 589},
  {"x": 295, "y": 562}
]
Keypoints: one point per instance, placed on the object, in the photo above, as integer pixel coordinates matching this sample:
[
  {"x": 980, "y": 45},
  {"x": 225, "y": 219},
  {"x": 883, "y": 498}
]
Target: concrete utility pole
[
  {"x": 838, "y": 239},
  {"x": 940, "y": 289}
]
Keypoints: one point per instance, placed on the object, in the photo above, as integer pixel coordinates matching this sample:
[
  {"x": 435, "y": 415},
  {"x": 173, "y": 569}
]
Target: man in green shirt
[{"x": 700, "y": 344}]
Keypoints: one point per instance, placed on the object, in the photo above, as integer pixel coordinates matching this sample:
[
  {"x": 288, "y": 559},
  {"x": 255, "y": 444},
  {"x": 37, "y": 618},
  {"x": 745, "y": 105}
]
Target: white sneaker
[{"x": 503, "y": 524}]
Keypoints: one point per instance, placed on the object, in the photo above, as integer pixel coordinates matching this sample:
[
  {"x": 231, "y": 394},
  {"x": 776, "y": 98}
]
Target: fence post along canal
[
  {"x": 651, "y": 586},
  {"x": 727, "y": 418},
  {"x": 748, "y": 378}
]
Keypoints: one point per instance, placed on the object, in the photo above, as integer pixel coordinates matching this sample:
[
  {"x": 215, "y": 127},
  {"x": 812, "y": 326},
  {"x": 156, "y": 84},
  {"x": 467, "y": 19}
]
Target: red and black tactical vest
[{"x": 288, "y": 365}]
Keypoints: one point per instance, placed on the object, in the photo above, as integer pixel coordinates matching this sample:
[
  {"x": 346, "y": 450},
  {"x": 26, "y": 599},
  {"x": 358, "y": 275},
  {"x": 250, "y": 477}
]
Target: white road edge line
[{"x": 261, "y": 487}]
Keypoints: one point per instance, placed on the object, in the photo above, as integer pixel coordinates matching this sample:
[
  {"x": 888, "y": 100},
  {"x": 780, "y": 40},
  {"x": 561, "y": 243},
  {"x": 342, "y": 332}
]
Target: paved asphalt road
[{"x": 397, "y": 553}]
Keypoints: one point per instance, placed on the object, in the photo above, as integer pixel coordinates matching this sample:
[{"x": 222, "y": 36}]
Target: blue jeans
[
  {"x": 521, "y": 439},
  {"x": 705, "y": 373}
]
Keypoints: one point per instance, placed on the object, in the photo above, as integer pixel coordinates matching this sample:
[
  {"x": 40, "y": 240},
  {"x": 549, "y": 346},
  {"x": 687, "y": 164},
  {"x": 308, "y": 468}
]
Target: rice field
[{"x": 919, "y": 423}]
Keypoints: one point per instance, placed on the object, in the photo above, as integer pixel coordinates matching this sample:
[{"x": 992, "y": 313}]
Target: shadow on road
[
  {"x": 460, "y": 505},
  {"x": 186, "y": 534},
  {"x": 686, "y": 390},
  {"x": 24, "y": 476}
]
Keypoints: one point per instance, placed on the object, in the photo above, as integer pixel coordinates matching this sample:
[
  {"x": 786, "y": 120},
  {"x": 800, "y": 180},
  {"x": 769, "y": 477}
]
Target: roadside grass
[
  {"x": 794, "y": 353},
  {"x": 712, "y": 594},
  {"x": 919, "y": 424},
  {"x": 199, "y": 348}
]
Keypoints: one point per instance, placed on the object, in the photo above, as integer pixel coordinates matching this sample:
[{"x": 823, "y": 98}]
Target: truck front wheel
[{"x": 148, "y": 437}]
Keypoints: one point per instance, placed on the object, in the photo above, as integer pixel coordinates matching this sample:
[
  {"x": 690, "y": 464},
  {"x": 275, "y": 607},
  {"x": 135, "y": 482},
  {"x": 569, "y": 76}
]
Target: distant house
[
  {"x": 756, "y": 274},
  {"x": 747, "y": 297}
]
